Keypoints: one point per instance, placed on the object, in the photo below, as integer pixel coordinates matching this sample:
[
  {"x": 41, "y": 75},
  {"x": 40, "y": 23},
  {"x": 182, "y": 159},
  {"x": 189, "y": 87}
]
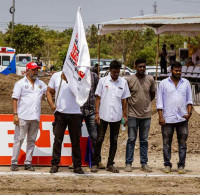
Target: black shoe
[
  {"x": 94, "y": 169},
  {"x": 71, "y": 166},
  {"x": 113, "y": 169},
  {"x": 29, "y": 167},
  {"x": 54, "y": 169},
  {"x": 101, "y": 166},
  {"x": 78, "y": 170},
  {"x": 14, "y": 167}
]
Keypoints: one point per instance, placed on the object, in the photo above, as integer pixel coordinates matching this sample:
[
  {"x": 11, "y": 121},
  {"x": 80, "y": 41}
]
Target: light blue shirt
[{"x": 174, "y": 100}]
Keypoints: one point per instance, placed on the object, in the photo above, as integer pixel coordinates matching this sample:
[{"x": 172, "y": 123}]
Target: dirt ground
[
  {"x": 104, "y": 183},
  {"x": 56, "y": 185}
]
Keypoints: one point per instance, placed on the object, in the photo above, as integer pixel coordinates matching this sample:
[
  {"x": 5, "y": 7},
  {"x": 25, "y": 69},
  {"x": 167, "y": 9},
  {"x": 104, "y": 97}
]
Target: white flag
[{"x": 77, "y": 63}]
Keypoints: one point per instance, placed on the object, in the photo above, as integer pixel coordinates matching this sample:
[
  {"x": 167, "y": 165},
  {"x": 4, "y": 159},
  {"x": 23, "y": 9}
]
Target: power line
[
  {"x": 49, "y": 22},
  {"x": 187, "y": 1},
  {"x": 46, "y": 24}
]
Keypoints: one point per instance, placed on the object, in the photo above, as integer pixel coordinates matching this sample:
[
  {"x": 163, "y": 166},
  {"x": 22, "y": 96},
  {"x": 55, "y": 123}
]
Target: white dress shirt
[
  {"x": 112, "y": 93},
  {"x": 29, "y": 98},
  {"x": 66, "y": 102}
]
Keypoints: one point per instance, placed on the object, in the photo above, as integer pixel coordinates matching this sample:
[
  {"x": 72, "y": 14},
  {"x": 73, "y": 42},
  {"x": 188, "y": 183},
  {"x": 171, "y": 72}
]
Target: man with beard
[
  {"x": 142, "y": 89},
  {"x": 27, "y": 95},
  {"x": 174, "y": 105}
]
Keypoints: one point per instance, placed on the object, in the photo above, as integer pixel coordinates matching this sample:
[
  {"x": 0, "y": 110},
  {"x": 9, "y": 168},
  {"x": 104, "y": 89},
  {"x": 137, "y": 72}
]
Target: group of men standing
[{"x": 108, "y": 102}]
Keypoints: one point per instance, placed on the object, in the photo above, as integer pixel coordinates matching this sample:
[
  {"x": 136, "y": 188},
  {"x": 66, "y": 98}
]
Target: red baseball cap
[{"x": 32, "y": 65}]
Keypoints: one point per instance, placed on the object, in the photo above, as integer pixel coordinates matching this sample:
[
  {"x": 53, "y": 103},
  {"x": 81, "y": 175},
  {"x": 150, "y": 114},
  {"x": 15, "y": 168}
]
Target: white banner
[{"x": 77, "y": 63}]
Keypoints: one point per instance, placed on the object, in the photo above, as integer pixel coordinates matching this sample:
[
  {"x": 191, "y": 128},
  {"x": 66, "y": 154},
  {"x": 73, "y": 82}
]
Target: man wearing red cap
[{"x": 27, "y": 95}]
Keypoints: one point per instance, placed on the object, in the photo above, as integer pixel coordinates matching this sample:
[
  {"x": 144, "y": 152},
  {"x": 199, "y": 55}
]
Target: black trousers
[
  {"x": 163, "y": 66},
  {"x": 73, "y": 121},
  {"x": 182, "y": 135},
  {"x": 101, "y": 131}
]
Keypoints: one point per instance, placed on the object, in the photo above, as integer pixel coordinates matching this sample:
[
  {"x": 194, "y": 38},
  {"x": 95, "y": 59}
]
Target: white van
[
  {"x": 21, "y": 61},
  {"x": 151, "y": 70}
]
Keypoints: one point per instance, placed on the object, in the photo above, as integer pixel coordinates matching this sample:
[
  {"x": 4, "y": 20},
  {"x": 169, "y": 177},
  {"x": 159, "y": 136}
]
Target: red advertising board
[{"x": 44, "y": 143}]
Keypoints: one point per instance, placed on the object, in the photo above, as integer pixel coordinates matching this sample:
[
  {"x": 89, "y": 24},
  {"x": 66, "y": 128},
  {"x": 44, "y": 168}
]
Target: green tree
[
  {"x": 92, "y": 37},
  {"x": 26, "y": 39},
  {"x": 55, "y": 46},
  {"x": 148, "y": 54},
  {"x": 2, "y": 42},
  {"x": 128, "y": 44}
]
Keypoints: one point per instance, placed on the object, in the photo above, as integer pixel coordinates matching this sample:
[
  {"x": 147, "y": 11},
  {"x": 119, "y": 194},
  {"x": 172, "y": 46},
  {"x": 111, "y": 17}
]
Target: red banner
[{"x": 43, "y": 146}]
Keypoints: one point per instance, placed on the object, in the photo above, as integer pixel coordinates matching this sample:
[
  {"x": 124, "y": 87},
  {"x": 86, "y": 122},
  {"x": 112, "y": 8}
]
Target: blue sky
[{"x": 60, "y": 14}]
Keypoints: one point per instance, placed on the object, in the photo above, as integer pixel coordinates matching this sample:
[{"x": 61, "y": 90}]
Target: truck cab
[{"x": 7, "y": 60}]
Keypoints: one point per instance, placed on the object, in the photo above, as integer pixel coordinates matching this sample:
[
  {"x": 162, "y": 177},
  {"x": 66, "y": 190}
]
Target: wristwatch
[{"x": 15, "y": 114}]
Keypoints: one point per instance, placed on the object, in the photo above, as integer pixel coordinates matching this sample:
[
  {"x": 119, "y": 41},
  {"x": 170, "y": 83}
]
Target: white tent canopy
[{"x": 183, "y": 24}]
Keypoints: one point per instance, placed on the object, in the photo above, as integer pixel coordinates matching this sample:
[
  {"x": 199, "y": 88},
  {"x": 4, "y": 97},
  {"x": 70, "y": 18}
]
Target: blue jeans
[
  {"x": 92, "y": 128},
  {"x": 144, "y": 126},
  {"x": 182, "y": 134}
]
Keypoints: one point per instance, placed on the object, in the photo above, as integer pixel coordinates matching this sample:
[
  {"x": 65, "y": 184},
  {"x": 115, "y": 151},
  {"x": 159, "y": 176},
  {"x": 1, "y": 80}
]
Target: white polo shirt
[
  {"x": 112, "y": 93},
  {"x": 29, "y": 98},
  {"x": 66, "y": 102}
]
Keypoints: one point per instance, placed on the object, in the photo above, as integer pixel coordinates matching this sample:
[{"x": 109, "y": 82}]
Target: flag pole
[
  {"x": 157, "y": 55},
  {"x": 59, "y": 84},
  {"x": 99, "y": 50},
  {"x": 58, "y": 90}
]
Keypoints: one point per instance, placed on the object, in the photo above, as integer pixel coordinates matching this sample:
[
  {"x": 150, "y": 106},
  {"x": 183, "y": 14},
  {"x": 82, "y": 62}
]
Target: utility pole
[
  {"x": 141, "y": 12},
  {"x": 12, "y": 11},
  {"x": 155, "y": 8}
]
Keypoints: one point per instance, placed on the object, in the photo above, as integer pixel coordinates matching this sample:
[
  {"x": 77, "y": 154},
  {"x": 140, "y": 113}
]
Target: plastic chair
[
  {"x": 189, "y": 72},
  {"x": 196, "y": 72},
  {"x": 184, "y": 70}
]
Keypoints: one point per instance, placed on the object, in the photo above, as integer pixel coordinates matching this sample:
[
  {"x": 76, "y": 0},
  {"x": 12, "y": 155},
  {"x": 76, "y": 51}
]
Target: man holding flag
[
  {"x": 67, "y": 113},
  {"x": 77, "y": 63},
  {"x": 72, "y": 87}
]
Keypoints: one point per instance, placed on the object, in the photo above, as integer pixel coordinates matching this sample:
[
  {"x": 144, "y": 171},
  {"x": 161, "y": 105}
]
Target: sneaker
[
  {"x": 14, "y": 167},
  {"x": 94, "y": 168},
  {"x": 29, "y": 167},
  {"x": 113, "y": 169},
  {"x": 78, "y": 170},
  {"x": 101, "y": 166},
  {"x": 146, "y": 168},
  {"x": 54, "y": 169},
  {"x": 167, "y": 169},
  {"x": 71, "y": 166},
  {"x": 181, "y": 170},
  {"x": 128, "y": 168}
]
